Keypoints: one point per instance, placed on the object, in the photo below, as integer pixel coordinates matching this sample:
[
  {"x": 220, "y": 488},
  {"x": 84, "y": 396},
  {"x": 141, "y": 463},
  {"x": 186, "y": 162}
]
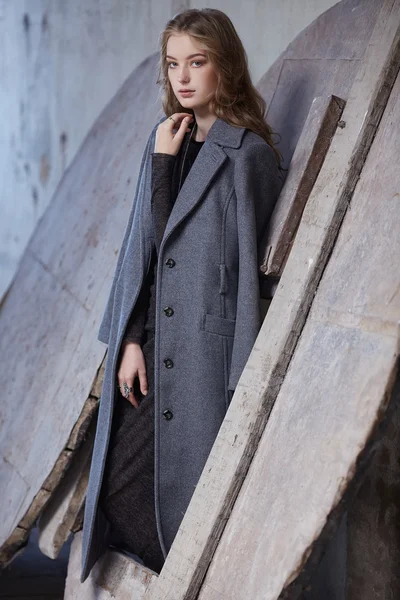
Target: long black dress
[{"x": 127, "y": 493}]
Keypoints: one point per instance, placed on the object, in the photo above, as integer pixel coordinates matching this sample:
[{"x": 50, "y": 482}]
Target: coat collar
[
  {"x": 224, "y": 134},
  {"x": 204, "y": 171}
]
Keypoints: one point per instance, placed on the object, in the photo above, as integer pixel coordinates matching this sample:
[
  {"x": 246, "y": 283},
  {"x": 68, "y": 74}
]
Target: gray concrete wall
[{"x": 61, "y": 61}]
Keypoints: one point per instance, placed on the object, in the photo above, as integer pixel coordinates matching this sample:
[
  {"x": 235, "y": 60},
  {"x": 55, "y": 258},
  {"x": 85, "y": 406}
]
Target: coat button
[
  {"x": 168, "y": 363},
  {"x": 167, "y": 414},
  {"x": 170, "y": 262},
  {"x": 168, "y": 311}
]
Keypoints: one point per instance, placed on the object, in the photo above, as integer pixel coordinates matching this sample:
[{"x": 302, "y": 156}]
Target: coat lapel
[{"x": 204, "y": 169}]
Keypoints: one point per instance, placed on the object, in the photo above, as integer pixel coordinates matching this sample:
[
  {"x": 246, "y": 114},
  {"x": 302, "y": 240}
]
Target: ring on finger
[{"x": 127, "y": 389}]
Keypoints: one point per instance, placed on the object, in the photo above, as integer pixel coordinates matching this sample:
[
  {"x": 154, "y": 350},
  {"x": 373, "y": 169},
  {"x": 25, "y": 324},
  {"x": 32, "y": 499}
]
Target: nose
[{"x": 183, "y": 78}]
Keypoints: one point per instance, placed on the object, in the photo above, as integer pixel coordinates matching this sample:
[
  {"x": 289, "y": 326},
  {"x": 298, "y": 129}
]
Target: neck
[{"x": 202, "y": 125}]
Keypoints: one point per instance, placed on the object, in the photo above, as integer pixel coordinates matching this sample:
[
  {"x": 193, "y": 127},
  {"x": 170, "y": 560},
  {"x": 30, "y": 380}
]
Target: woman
[{"x": 178, "y": 347}]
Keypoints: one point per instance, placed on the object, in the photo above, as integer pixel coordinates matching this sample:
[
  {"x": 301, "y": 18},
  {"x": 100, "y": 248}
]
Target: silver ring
[
  {"x": 172, "y": 119},
  {"x": 127, "y": 389}
]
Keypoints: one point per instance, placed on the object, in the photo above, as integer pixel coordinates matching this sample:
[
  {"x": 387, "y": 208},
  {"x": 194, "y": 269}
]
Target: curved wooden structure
[{"x": 51, "y": 314}]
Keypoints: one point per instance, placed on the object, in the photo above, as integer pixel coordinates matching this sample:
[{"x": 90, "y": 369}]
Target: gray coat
[{"x": 207, "y": 314}]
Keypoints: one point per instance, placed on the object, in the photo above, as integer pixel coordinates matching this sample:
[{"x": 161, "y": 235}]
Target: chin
[{"x": 190, "y": 105}]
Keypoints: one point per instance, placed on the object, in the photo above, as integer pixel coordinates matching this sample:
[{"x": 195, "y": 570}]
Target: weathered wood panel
[
  {"x": 64, "y": 510},
  {"x": 332, "y": 403},
  {"x": 50, "y": 317},
  {"x": 323, "y": 59},
  {"x": 318, "y": 61},
  {"x": 59, "y": 516},
  {"x": 262, "y": 377},
  {"x": 113, "y": 576},
  {"x": 311, "y": 149}
]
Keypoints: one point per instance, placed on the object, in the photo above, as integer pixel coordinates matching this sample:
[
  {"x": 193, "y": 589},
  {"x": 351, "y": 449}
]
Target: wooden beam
[
  {"x": 59, "y": 516},
  {"x": 113, "y": 576},
  {"x": 311, "y": 149},
  {"x": 20, "y": 535}
]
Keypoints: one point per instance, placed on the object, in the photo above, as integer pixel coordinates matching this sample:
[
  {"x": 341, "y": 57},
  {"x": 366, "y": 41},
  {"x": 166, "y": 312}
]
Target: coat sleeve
[
  {"x": 104, "y": 329},
  {"x": 257, "y": 184}
]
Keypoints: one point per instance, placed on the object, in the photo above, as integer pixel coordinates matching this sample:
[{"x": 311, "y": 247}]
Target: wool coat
[{"x": 207, "y": 314}]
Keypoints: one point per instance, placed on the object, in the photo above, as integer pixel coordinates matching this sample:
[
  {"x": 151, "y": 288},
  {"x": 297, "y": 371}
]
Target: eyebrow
[{"x": 190, "y": 55}]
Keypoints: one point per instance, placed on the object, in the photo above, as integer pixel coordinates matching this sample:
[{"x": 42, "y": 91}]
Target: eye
[{"x": 193, "y": 61}]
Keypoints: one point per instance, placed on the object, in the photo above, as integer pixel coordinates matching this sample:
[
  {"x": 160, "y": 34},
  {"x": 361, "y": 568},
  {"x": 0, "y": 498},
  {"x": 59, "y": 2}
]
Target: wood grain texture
[
  {"x": 311, "y": 149},
  {"x": 50, "y": 317},
  {"x": 255, "y": 395},
  {"x": 323, "y": 59},
  {"x": 15, "y": 546},
  {"x": 113, "y": 576},
  {"x": 332, "y": 402},
  {"x": 59, "y": 516}
]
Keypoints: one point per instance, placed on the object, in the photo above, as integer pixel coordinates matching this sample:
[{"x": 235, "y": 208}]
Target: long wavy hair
[{"x": 236, "y": 100}]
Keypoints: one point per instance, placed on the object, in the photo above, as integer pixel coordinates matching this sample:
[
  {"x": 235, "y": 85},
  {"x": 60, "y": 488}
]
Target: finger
[
  {"x": 176, "y": 121},
  {"x": 182, "y": 130},
  {"x": 179, "y": 116},
  {"x": 131, "y": 397},
  {"x": 143, "y": 380}
]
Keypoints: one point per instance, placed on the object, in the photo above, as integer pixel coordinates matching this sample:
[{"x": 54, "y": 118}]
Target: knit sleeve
[
  {"x": 161, "y": 204},
  {"x": 135, "y": 327},
  {"x": 161, "y": 196}
]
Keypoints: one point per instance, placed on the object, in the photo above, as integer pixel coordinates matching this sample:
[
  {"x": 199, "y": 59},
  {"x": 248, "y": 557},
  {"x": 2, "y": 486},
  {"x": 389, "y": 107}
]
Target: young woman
[{"x": 179, "y": 348}]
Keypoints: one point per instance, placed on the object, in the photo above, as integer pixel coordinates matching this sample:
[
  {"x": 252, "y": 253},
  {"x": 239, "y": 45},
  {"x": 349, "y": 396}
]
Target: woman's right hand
[
  {"x": 168, "y": 142},
  {"x": 132, "y": 365}
]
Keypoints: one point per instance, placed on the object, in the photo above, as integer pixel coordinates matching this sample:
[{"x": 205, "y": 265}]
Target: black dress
[{"x": 127, "y": 492}]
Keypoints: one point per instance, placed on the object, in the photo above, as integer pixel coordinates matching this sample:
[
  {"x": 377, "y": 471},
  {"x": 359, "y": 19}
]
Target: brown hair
[{"x": 236, "y": 100}]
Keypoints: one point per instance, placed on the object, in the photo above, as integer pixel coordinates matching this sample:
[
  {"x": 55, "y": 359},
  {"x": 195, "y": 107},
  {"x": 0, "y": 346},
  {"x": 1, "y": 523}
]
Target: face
[{"x": 189, "y": 67}]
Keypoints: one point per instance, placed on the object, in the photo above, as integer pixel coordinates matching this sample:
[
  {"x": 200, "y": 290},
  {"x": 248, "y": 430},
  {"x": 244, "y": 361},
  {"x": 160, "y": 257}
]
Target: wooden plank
[
  {"x": 81, "y": 427},
  {"x": 331, "y": 408},
  {"x": 254, "y": 397},
  {"x": 20, "y": 534},
  {"x": 113, "y": 576},
  {"x": 323, "y": 59},
  {"x": 78, "y": 523},
  {"x": 50, "y": 316},
  {"x": 290, "y": 505},
  {"x": 60, "y": 514},
  {"x": 311, "y": 149},
  {"x": 15, "y": 546}
]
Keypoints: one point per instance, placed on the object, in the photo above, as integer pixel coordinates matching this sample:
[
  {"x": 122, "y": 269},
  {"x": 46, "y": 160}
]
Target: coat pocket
[{"x": 220, "y": 325}]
